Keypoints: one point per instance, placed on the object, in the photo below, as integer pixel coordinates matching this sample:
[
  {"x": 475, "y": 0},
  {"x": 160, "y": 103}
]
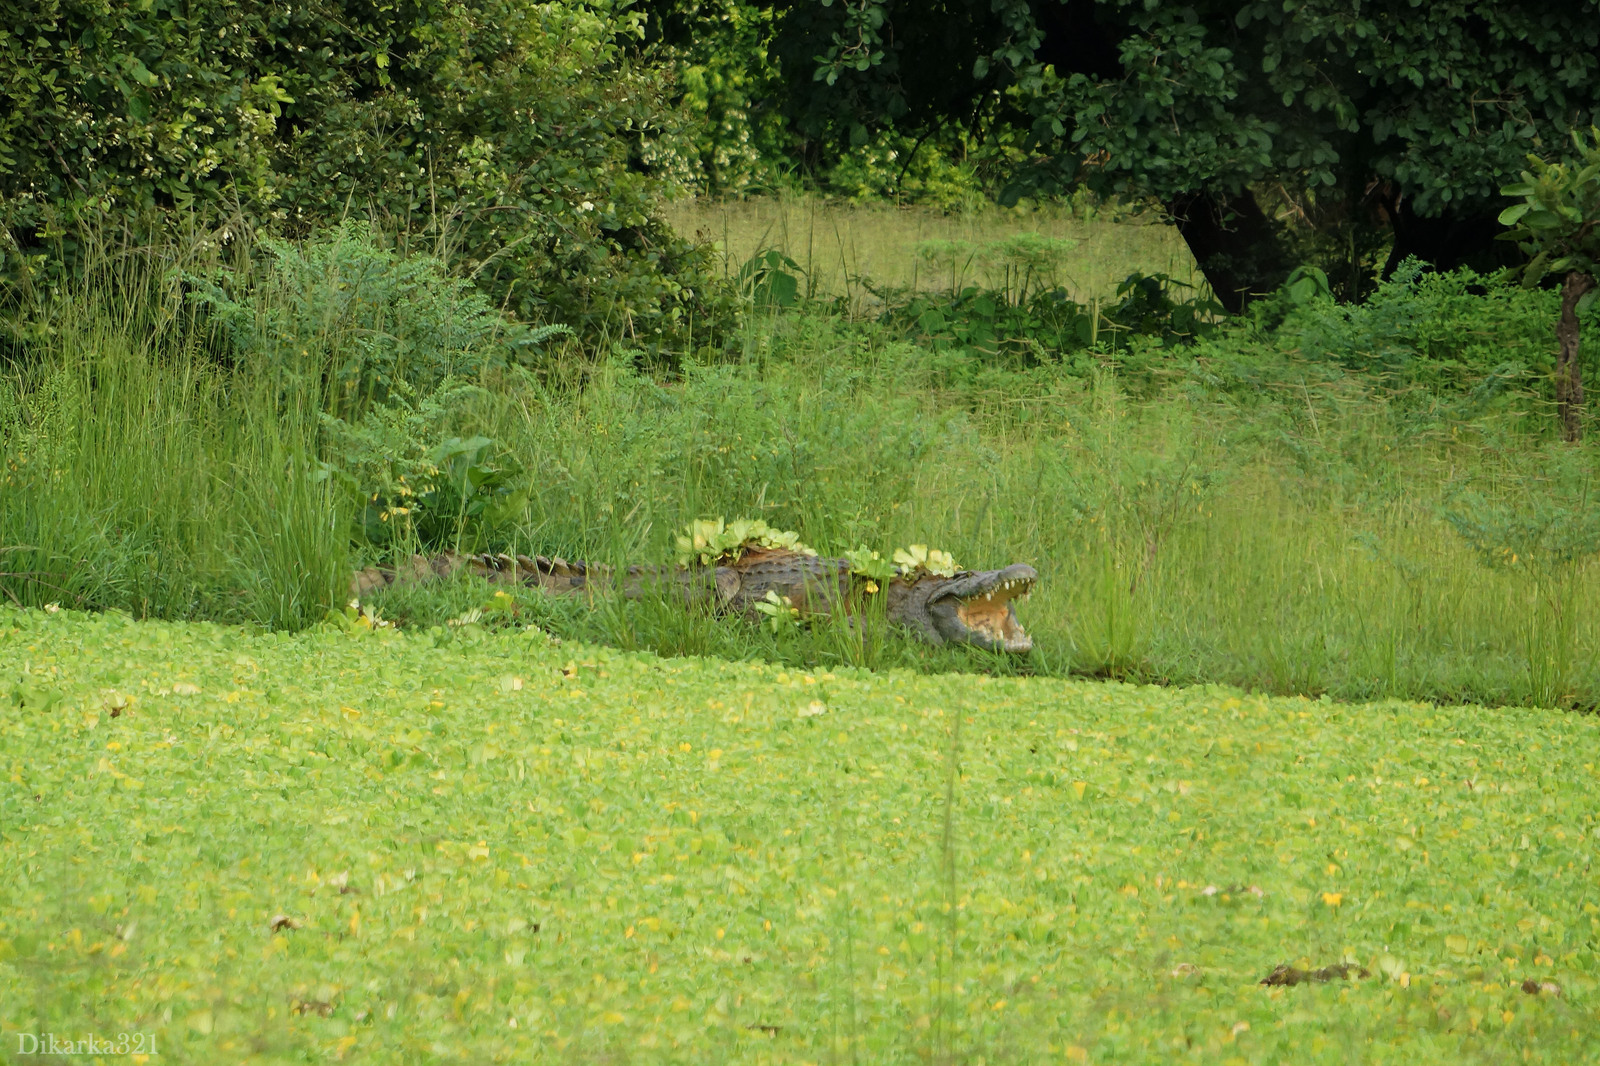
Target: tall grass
[
  {"x": 1301, "y": 535},
  {"x": 843, "y": 248},
  {"x": 144, "y": 474},
  {"x": 1296, "y": 540}
]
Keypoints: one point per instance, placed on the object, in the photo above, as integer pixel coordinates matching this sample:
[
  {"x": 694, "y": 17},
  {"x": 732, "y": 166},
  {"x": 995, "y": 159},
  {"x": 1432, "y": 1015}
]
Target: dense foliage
[
  {"x": 515, "y": 139},
  {"x": 1273, "y": 134}
]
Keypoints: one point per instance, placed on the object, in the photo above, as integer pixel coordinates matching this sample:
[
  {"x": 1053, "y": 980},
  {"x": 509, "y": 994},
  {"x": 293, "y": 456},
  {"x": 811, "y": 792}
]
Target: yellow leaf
[
  {"x": 1333, "y": 899},
  {"x": 1078, "y": 788}
]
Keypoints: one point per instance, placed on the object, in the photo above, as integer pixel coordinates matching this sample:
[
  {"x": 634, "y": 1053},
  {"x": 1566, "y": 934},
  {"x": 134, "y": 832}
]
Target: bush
[
  {"x": 363, "y": 319},
  {"x": 414, "y": 482},
  {"x": 1017, "y": 326},
  {"x": 515, "y": 138},
  {"x": 1441, "y": 330}
]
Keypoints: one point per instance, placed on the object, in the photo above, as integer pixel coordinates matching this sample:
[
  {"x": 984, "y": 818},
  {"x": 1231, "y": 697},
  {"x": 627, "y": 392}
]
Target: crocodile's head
[{"x": 975, "y": 607}]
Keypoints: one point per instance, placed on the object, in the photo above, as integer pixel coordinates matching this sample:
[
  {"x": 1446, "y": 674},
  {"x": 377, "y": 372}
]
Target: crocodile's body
[{"x": 972, "y": 607}]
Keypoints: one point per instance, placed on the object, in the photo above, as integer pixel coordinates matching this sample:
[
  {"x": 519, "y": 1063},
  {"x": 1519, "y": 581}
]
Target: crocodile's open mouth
[{"x": 979, "y": 608}]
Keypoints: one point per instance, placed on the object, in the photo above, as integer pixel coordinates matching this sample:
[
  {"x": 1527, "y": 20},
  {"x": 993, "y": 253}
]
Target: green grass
[
  {"x": 499, "y": 849},
  {"x": 840, "y": 246},
  {"x": 139, "y": 472}
]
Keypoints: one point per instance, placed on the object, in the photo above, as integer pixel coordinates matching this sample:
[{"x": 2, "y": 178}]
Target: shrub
[
  {"x": 1016, "y": 324},
  {"x": 413, "y": 480},
  {"x": 362, "y": 319},
  {"x": 1441, "y": 330},
  {"x": 517, "y": 139}
]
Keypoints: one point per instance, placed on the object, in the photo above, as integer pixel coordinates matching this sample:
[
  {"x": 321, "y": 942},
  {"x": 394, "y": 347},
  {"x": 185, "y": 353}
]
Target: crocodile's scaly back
[{"x": 813, "y": 584}]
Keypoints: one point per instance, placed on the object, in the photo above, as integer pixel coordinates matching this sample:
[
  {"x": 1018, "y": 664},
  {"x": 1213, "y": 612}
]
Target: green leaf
[
  {"x": 1535, "y": 271},
  {"x": 1510, "y": 215},
  {"x": 140, "y": 73}
]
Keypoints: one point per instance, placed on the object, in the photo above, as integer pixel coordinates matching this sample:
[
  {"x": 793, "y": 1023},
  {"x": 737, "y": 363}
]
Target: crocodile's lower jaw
[
  {"x": 995, "y": 622},
  {"x": 991, "y": 617}
]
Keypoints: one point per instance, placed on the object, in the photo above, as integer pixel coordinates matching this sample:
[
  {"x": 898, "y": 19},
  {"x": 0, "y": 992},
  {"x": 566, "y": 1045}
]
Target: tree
[
  {"x": 1558, "y": 226},
  {"x": 1345, "y": 117}
]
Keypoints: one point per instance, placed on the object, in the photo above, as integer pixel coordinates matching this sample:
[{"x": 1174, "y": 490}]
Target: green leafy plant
[
  {"x": 1156, "y": 305},
  {"x": 920, "y": 559},
  {"x": 413, "y": 483},
  {"x": 361, "y": 318},
  {"x": 1445, "y": 331},
  {"x": 1024, "y": 264},
  {"x": 1307, "y": 284},
  {"x": 1558, "y": 224},
  {"x": 770, "y": 279},
  {"x": 780, "y": 612},
  {"x": 1017, "y": 320},
  {"x": 709, "y": 542},
  {"x": 868, "y": 564}
]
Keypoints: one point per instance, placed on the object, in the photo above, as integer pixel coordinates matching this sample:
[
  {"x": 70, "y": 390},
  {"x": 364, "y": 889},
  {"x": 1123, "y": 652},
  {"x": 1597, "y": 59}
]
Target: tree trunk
[
  {"x": 1445, "y": 241},
  {"x": 1233, "y": 242},
  {"x": 1569, "y": 373}
]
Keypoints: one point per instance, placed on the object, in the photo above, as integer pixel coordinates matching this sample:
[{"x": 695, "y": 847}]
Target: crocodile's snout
[{"x": 978, "y": 608}]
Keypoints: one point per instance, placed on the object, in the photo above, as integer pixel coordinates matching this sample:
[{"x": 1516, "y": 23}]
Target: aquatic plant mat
[{"x": 455, "y": 846}]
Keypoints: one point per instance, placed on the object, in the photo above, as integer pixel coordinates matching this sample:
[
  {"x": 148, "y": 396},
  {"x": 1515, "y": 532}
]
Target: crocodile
[{"x": 973, "y": 607}]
